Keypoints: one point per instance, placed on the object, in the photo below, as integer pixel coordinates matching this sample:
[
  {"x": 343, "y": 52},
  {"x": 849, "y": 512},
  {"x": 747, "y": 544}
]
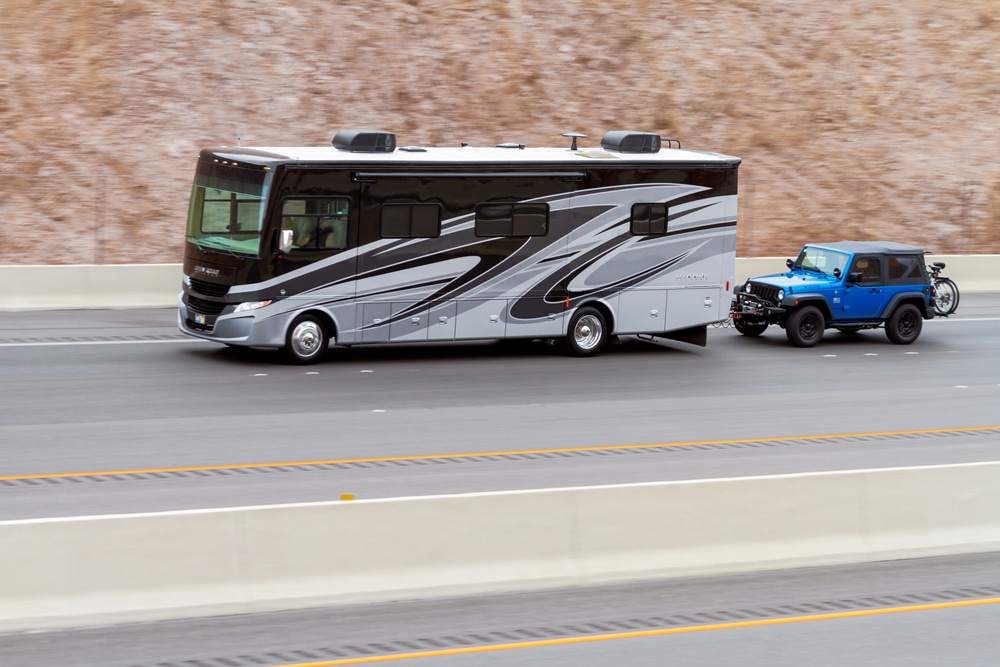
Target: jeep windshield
[{"x": 821, "y": 260}]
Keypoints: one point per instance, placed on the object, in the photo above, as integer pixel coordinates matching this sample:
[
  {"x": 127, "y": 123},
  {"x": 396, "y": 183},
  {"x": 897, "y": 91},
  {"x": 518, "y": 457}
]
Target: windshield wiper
[
  {"x": 205, "y": 243},
  {"x": 811, "y": 268}
]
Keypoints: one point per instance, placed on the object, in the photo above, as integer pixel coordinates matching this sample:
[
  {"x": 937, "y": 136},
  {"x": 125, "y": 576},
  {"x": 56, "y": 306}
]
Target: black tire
[
  {"x": 805, "y": 326},
  {"x": 587, "y": 333},
  {"x": 945, "y": 297},
  {"x": 904, "y": 325},
  {"x": 748, "y": 328},
  {"x": 306, "y": 340}
]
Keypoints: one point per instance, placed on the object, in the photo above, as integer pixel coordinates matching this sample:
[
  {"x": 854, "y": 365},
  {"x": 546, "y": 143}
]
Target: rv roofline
[{"x": 466, "y": 157}]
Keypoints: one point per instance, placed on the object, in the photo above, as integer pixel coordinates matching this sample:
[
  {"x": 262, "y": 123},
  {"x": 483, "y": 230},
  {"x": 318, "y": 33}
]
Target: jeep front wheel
[
  {"x": 904, "y": 325},
  {"x": 805, "y": 326}
]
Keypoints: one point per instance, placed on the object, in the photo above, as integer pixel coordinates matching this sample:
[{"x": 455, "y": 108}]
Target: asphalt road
[
  {"x": 126, "y": 407},
  {"x": 106, "y": 391}
]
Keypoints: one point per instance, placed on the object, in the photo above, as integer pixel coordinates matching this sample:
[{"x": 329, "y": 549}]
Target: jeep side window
[
  {"x": 905, "y": 270},
  {"x": 870, "y": 269}
]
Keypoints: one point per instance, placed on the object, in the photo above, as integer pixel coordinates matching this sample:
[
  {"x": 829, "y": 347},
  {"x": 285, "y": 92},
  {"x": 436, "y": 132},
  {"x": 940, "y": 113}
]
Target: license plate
[{"x": 199, "y": 318}]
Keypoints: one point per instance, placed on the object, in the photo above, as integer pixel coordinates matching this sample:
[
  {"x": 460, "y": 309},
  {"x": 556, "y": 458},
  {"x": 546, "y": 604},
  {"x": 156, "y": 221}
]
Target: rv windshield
[{"x": 226, "y": 209}]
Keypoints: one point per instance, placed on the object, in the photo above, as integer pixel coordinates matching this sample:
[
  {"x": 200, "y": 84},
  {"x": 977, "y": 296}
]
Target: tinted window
[
  {"x": 404, "y": 221},
  {"x": 649, "y": 219},
  {"x": 905, "y": 269},
  {"x": 525, "y": 219}
]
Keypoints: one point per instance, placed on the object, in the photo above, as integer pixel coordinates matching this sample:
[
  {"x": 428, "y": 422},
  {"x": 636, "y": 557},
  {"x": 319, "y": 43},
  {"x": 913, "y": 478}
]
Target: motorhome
[{"x": 364, "y": 242}]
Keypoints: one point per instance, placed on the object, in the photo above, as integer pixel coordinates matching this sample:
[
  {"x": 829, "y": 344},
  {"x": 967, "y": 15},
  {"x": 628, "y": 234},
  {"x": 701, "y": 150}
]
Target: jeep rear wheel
[
  {"x": 904, "y": 325},
  {"x": 749, "y": 327},
  {"x": 805, "y": 326}
]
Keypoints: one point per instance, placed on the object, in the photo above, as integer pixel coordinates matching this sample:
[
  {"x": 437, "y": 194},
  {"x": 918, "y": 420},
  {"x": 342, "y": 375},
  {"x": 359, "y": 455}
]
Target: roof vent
[
  {"x": 624, "y": 141},
  {"x": 365, "y": 141}
]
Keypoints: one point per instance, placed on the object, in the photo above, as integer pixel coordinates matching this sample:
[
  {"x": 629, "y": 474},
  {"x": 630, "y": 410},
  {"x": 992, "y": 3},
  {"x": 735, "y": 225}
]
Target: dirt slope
[{"x": 854, "y": 118}]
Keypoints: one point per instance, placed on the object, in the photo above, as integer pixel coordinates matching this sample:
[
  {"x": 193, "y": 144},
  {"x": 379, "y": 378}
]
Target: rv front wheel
[
  {"x": 587, "y": 333},
  {"x": 306, "y": 341}
]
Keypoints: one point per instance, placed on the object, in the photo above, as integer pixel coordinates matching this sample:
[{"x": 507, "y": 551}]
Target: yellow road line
[
  {"x": 562, "y": 641},
  {"x": 468, "y": 455}
]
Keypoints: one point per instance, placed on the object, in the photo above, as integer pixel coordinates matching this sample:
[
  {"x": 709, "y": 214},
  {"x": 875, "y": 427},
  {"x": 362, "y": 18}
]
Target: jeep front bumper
[{"x": 749, "y": 307}]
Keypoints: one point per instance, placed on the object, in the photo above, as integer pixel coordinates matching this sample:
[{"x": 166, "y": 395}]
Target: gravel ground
[{"x": 855, "y": 119}]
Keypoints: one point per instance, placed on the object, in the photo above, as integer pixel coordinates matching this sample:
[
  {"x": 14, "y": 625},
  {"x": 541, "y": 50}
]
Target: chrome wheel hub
[
  {"x": 306, "y": 338},
  {"x": 587, "y": 332}
]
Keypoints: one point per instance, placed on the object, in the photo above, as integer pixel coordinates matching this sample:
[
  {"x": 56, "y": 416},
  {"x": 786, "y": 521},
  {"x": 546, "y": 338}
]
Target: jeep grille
[{"x": 764, "y": 292}]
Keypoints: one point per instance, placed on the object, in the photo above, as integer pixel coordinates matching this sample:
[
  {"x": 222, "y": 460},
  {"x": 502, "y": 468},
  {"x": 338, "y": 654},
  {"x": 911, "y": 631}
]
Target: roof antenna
[{"x": 574, "y": 136}]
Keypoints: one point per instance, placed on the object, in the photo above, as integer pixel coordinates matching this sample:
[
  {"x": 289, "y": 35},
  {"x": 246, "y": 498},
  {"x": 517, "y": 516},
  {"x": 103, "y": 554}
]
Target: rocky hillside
[{"x": 855, "y": 118}]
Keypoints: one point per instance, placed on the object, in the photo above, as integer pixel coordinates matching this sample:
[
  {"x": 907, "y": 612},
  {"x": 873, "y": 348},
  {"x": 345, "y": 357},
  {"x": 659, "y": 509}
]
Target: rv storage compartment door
[
  {"x": 375, "y": 322},
  {"x": 642, "y": 310},
  {"x": 481, "y": 319},
  {"x": 694, "y": 306},
  {"x": 407, "y": 326},
  {"x": 441, "y": 321}
]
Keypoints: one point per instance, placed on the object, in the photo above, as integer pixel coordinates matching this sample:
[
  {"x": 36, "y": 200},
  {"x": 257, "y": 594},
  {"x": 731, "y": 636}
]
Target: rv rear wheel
[
  {"x": 588, "y": 332},
  {"x": 306, "y": 340}
]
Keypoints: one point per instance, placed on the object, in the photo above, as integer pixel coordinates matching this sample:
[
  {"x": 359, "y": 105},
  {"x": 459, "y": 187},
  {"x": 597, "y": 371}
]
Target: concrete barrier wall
[
  {"x": 107, "y": 569},
  {"x": 90, "y": 286},
  {"x": 157, "y": 285}
]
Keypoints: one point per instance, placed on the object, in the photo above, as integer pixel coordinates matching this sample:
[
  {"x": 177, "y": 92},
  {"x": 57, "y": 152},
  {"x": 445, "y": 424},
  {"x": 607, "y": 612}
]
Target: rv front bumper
[{"x": 243, "y": 329}]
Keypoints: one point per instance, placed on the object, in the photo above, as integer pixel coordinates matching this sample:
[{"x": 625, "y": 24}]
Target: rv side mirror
[
  {"x": 854, "y": 277},
  {"x": 789, "y": 263},
  {"x": 285, "y": 240}
]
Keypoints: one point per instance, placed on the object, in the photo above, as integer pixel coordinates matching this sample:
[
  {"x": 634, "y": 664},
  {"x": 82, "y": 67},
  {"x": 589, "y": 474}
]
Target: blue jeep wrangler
[{"x": 848, "y": 285}]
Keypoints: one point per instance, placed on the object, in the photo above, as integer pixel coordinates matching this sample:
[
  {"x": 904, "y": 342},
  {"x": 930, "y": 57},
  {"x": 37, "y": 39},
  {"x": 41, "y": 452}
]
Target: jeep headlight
[
  {"x": 250, "y": 305},
  {"x": 746, "y": 288},
  {"x": 781, "y": 294}
]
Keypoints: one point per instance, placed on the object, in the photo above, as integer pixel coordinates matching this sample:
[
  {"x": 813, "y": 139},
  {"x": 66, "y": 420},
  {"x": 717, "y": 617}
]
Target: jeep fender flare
[
  {"x": 918, "y": 299},
  {"x": 794, "y": 301}
]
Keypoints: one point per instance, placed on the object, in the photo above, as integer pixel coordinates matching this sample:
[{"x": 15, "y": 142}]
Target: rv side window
[
  {"x": 530, "y": 219},
  {"x": 316, "y": 223},
  {"x": 408, "y": 221},
  {"x": 649, "y": 219}
]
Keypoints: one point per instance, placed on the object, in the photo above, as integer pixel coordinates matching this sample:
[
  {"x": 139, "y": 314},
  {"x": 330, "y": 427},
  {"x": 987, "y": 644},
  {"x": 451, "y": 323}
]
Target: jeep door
[{"x": 866, "y": 297}]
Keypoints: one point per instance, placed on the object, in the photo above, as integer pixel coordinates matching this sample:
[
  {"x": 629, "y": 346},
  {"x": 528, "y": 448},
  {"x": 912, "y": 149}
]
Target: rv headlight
[
  {"x": 250, "y": 305},
  {"x": 781, "y": 294}
]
